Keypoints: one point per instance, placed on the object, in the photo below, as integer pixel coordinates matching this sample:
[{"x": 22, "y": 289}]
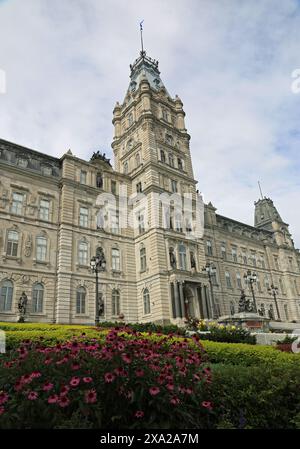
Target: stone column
[
  {"x": 173, "y": 300},
  {"x": 177, "y": 304},
  {"x": 181, "y": 296}
]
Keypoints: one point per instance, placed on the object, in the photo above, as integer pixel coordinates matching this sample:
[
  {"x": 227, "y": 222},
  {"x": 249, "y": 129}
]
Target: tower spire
[
  {"x": 142, "y": 41},
  {"x": 261, "y": 194}
]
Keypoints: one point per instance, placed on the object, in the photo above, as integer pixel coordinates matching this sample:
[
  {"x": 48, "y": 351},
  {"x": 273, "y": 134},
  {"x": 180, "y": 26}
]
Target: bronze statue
[{"x": 22, "y": 305}]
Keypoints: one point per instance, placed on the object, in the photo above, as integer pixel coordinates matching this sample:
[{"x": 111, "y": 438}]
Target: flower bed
[{"x": 125, "y": 381}]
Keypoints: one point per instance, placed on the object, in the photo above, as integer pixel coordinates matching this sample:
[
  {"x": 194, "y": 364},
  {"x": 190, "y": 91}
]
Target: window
[
  {"x": 99, "y": 180},
  {"x": 165, "y": 114},
  {"x": 83, "y": 217},
  {"x": 83, "y": 176},
  {"x": 171, "y": 160},
  {"x": 276, "y": 263},
  {"x": 41, "y": 248},
  {"x": 228, "y": 279},
  {"x": 239, "y": 281},
  {"x": 286, "y": 311},
  {"x": 214, "y": 279},
  {"x": 267, "y": 282},
  {"x": 83, "y": 253},
  {"x": 137, "y": 159},
  {"x": 37, "y": 298},
  {"x": 115, "y": 222},
  {"x": 44, "y": 209},
  {"x": 115, "y": 303},
  {"x": 17, "y": 203},
  {"x": 141, "y": 222},
  {"x": 12, "y": 243},
  {"x": 125, "y": 168},
  {"x": 253, "y": 258},
  {"x": 113, "y": 186},
  {"x": 245, "y": 258},
  {"x": 162, "y": 156},
  {"x": 6, "y": 295},
  {"x": 178, "y": 222},
  {"x": 182, "y": 257},
  {"x": 146, "y": 298},
  {"x": 234, "y": 255},
  {"x": 262, "y": 261},
  {"x": 174, "y": 186},
  {"x": 179, "y": 163},
  {"x": 80, "y": 300},
  {"x": 232, "y": 308},
  {"x": 258, "y": 283},
  {"x": 139, "y": 187},
  {"x": 143, "y": 260},
  {"x": 223, "y": 251},
  {"x": 282, "y": 288},
  {"x": 291, "y": 264},
  {"x": 115, "y": 259},
  {"x": 209, "y": 248}
]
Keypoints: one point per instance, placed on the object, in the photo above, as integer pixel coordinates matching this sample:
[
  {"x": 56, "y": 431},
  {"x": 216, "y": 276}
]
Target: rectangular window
[
  {"x": 179, "y": 164},
  {"x": 113, "y": 187},
  {"x": 83, "y": 217},
  {"x": 253, "y": 259},
  {"x": 141, "y": 223},
  {"x": 174, "y": 186},
  {"x": 41, "y": 249},
  {"x": 44, "y": 210},
  {"x": 115, "y": 259},
  {"x": 228, "y": 280},
  {"x": 209, "y": 248},
  {"x": 223, "y": 252},
  {"x": 83, "y": 177},
  {"x": 234, "y": 255},
  {"x": 239, "y": 281},
  {"x": 143, "y": 259},
  {"x": 262, "y": 261},
  {"x": 12, "y": 243},
  {"x": 114, "y": 216},
  {"x": 276, "y": 263},
  {"x": 139, "y": 187},
  {"x": 245, "y": 258},
  {"x": 82, "y": 253},
  {"x": 17, "y": 203}
]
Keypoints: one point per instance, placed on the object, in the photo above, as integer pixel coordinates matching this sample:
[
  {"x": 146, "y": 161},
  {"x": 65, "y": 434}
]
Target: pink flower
[
  {"x": 35, "y": 374},
  {"x": 26, "y": 379},
  {"x": 154, "y": 391},
  {"x": 207, "y": 404},
  {"x": 75, "y": 366},
  {"x": 109, "y": 377},
  {"x": 48, "y": 360},
  {"x": 139, "y": 372},
  {"x": 188, "y": 391},
  {"x": 87, "y": 380},
  {"x": 3, "y": 397},
  {"x": 63, "y": 401},
  {"x": 175, "y": 400},
  {"x": 2, "y": 410},
  {"x": 139, "y": 414},
  {"x": 64, "y": 390},
  {"x": 90, "y": 396},
  {"x": 48, "y": 386},
  {"x": 18, "y": 386},
  {"x": 170, "y": 387},
  {"x": 126, "y": 358},
  {"x": 75, "y": 381},
  {"x": 53, "y": 399},
  {"x": 32, "y": 395}
]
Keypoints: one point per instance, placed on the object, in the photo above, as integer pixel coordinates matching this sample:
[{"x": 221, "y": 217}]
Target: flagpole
[{"x": 141, "y": 30}]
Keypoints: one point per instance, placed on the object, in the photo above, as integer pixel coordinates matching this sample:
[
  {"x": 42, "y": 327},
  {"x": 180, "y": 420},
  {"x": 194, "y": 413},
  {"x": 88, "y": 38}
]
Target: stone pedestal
[{"x": 249, "y": 320}]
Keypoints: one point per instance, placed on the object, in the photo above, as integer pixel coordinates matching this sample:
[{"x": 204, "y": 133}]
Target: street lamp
[
  {"x": 98, "y": 263},
  {"x": 251, "y": 278},
  {"x": 273, "y": 291},
  {"x": 211, "y": 270}
]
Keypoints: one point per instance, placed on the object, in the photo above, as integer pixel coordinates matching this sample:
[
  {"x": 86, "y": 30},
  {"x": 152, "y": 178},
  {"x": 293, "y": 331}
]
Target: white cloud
[{"x": 66, "y": 65}]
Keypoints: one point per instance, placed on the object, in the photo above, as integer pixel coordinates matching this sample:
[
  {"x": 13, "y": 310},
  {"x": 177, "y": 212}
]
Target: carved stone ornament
[{"x": 28, "y": 246}]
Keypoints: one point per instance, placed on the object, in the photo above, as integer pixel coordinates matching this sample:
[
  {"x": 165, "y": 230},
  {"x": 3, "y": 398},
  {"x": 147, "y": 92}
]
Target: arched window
[
  {"x": 115, "y": 302},
  {"x": 12, "y": 243},
  {"x": 41, "y": 248},
  {"x": 146, "y": 298},
  {"x": 137, "y": 159},
  {"x": 143, "y": 259},
  {"x": 82, "y": 253},
  {"x": 182, "y": 257},
  {"x": 6, "y": 295},
  {"x": 37, "y": 298},
  {"x": 115, "y": 259},
  {"x": 80, "y": 300}
]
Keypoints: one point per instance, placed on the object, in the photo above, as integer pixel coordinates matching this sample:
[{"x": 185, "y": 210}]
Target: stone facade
[{"x": 55, "y": 214}]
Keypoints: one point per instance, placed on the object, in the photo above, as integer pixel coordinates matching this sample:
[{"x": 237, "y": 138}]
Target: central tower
[{"x": 151, "y": 147}]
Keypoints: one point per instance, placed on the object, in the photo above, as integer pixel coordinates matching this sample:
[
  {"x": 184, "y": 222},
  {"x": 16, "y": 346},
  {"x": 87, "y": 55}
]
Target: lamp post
[
  {"x": 211, "y": 270},
  {"x": 273, "y": 291},
  {"x": 98, "y": 263},
  {"x": 251, "y": 278}
]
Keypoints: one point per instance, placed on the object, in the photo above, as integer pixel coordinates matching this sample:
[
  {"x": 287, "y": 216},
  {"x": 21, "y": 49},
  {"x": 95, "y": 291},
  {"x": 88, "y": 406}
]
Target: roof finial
[
  {"x": 142, "y": 42},
  {"x": 261, "y": 194}
]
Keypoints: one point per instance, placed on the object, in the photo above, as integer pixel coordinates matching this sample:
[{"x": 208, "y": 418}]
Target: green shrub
[
  {"x": 220, "y": 332},
  {"x": 255, "y": 397}
]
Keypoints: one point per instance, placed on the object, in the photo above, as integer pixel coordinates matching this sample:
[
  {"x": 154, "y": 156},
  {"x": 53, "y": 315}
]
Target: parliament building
[{"x": 57, "y": 213}]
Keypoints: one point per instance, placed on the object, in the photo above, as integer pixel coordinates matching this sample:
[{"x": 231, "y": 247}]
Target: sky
[{"x": 66, "y": 63}]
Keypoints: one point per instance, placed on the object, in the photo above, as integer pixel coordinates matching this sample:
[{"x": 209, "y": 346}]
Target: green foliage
[
  {"x": 220, "y": 332},
  {"x": 255, "y": 397}
]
